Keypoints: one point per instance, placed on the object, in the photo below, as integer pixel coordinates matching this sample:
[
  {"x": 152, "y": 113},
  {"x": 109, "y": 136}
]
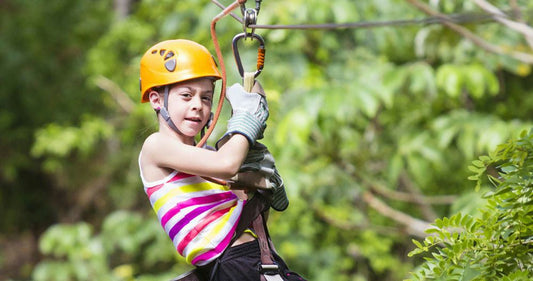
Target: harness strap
[
  {"x": 252, "y": 209},
  {"x": 269, "y": 269}
]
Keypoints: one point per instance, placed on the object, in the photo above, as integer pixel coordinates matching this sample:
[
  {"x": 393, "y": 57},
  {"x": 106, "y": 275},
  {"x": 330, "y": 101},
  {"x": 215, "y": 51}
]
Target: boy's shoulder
[
  {"x": 154, "y": 141},
  {"x": 158, "y": 140}
]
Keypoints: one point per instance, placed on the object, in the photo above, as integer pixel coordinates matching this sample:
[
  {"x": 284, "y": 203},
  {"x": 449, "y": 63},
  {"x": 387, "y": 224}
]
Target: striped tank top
[{"x": 199, "y": 216}]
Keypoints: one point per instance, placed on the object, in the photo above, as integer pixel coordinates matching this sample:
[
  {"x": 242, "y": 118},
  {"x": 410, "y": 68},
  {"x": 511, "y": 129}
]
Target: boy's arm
[
  {"x": 247, "y": 123},
  {"x": 164, "y": 152}
]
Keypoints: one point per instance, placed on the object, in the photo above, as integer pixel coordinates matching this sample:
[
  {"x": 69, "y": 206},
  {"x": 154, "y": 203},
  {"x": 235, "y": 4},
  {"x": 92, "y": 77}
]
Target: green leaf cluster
[{"x": 497, "y": 244}]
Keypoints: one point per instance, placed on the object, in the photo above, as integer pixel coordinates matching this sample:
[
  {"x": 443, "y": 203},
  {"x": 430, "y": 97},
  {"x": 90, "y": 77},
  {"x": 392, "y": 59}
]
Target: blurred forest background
[{"x": 373, "y": 129}]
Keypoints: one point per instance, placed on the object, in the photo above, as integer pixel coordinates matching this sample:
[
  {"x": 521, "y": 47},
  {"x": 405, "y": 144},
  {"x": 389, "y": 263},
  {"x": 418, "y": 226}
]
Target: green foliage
[
  {"x": 56, "y": 142},
  {"x": 474, "y": 79},
  {"x": 396, "y": 112},
  {"x": 43, "y": 48},
  {"x": 497, "y": 244},
  {"x": 126, "y": 247}
]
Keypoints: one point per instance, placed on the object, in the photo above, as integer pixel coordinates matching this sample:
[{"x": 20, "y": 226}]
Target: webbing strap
[
  {"x": 248, "y": 81},
  {"x": 269, "y": 269}
]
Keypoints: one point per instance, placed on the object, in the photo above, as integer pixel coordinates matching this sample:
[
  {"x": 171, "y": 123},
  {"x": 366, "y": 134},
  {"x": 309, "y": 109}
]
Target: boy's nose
[{"x": 197, "y": 103}]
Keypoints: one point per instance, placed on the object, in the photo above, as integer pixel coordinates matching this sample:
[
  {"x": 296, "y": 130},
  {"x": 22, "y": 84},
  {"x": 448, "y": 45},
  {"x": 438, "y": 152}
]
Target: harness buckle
[{"x": 269, "y": 269}]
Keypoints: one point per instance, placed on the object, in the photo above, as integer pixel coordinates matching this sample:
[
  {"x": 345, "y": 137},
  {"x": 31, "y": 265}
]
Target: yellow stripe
[{"x": 185, "y": 189}]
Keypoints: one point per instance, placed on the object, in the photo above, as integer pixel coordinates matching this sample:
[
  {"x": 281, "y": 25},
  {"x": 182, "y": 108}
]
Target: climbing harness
[{"x": 253, "y": 214}]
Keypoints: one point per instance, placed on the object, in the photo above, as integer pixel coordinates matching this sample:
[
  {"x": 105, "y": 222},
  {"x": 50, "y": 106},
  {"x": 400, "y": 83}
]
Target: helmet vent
[{"x": 169, "y": 55}]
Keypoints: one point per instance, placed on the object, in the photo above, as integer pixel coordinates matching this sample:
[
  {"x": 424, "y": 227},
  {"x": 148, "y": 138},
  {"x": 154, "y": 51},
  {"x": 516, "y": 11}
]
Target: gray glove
[
  {"x": 280, "y": 201},
  {"x": 260, "y": 160},
  {"x": 249, "y": 113}
]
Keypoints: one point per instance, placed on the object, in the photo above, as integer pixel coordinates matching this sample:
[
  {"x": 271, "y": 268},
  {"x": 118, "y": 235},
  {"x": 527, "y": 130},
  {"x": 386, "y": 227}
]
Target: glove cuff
[
  {"x": 246, "y": 124},
  {"x": 280, "y": 202}
]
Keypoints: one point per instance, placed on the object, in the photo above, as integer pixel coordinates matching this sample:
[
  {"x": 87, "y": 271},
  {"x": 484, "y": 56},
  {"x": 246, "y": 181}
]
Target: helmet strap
[
  {"x": 207, "y": 125},
  {"x": 164, "y": 112}
]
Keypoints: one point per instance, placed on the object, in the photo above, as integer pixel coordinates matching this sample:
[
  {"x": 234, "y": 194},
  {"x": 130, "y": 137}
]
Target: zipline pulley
[{"x": 249, "y": 16}]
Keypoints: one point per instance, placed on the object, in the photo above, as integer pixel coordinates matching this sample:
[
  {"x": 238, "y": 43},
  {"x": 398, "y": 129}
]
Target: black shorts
[{"x": 241, "y": 263}]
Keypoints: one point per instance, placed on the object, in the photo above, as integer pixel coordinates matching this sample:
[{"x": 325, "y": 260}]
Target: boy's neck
[{"x": 165, "y": 129}]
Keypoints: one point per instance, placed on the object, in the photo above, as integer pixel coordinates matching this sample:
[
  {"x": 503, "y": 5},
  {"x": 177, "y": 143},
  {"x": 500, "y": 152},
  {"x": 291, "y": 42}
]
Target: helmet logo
[{"x": 170, "y": 61}]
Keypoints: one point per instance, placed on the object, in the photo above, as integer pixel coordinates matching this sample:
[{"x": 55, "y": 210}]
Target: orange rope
[{"x": 224, "y": 13}]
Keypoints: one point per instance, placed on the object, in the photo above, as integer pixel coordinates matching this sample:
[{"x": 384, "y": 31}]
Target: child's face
[{"x": 189, "y": 105}]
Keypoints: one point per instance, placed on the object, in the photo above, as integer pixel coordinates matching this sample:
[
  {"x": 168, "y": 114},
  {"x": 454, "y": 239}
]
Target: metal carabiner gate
[{"x": 260, "y": 52}]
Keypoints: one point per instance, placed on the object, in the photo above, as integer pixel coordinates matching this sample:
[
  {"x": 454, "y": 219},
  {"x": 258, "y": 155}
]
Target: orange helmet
[{"x": 173, "y": 61}]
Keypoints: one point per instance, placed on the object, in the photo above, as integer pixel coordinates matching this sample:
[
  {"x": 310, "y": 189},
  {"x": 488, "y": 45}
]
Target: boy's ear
[{"x": 155, "y": 100}]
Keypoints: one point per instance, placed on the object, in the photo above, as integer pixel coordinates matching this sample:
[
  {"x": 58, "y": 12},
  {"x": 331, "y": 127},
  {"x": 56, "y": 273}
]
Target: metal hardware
[{"x": 260, "y": 52}]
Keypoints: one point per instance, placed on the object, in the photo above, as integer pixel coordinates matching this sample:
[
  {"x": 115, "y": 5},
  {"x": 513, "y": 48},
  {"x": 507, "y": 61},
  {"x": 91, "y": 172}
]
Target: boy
[{"x": 200, "y": 217}]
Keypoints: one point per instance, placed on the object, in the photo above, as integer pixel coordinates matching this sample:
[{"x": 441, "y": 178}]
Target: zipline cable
[
  {"x": 455, "y": 18},
  {"x": 463, "y": 18},
  {"x": 220, "y": 5}
]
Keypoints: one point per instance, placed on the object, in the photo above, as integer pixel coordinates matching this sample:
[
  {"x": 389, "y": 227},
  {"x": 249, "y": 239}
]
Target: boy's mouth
[{"x": 194, "y": 119}]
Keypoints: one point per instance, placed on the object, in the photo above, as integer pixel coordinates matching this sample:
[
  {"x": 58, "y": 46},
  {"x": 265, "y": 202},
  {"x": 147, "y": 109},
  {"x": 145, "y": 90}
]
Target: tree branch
[
  {"x": 123, "y": 100},
  {"x": 426, "y": 208},
  {"x": 412, "y": 198},
  {"x": 523, "y": 57},
  {"x": 413, "y": 226},
  {"x": 501, "y": 17}
]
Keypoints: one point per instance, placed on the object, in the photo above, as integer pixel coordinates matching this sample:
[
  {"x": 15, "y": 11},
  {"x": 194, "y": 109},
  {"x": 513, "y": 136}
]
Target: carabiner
[{"x": 260, "y": 52}]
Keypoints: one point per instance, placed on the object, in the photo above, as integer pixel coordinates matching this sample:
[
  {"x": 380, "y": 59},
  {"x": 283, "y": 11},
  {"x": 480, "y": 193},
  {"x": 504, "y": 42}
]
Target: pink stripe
[
  {"x": 218, "y": 249},
  {"x": 180, "y": 176},
  {"x": 153, "y": 189},
  {"x": 176, "y": 177},
  {"x": 197, "y": 229},
  {"x": 192, "y": 215},
  {"x": 195, "y": 201}
]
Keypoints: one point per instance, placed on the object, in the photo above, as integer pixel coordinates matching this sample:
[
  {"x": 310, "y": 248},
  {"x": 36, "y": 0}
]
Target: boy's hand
[
  {"x": 250, "y": 113},
  {"x": 259, "y": 160}
]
